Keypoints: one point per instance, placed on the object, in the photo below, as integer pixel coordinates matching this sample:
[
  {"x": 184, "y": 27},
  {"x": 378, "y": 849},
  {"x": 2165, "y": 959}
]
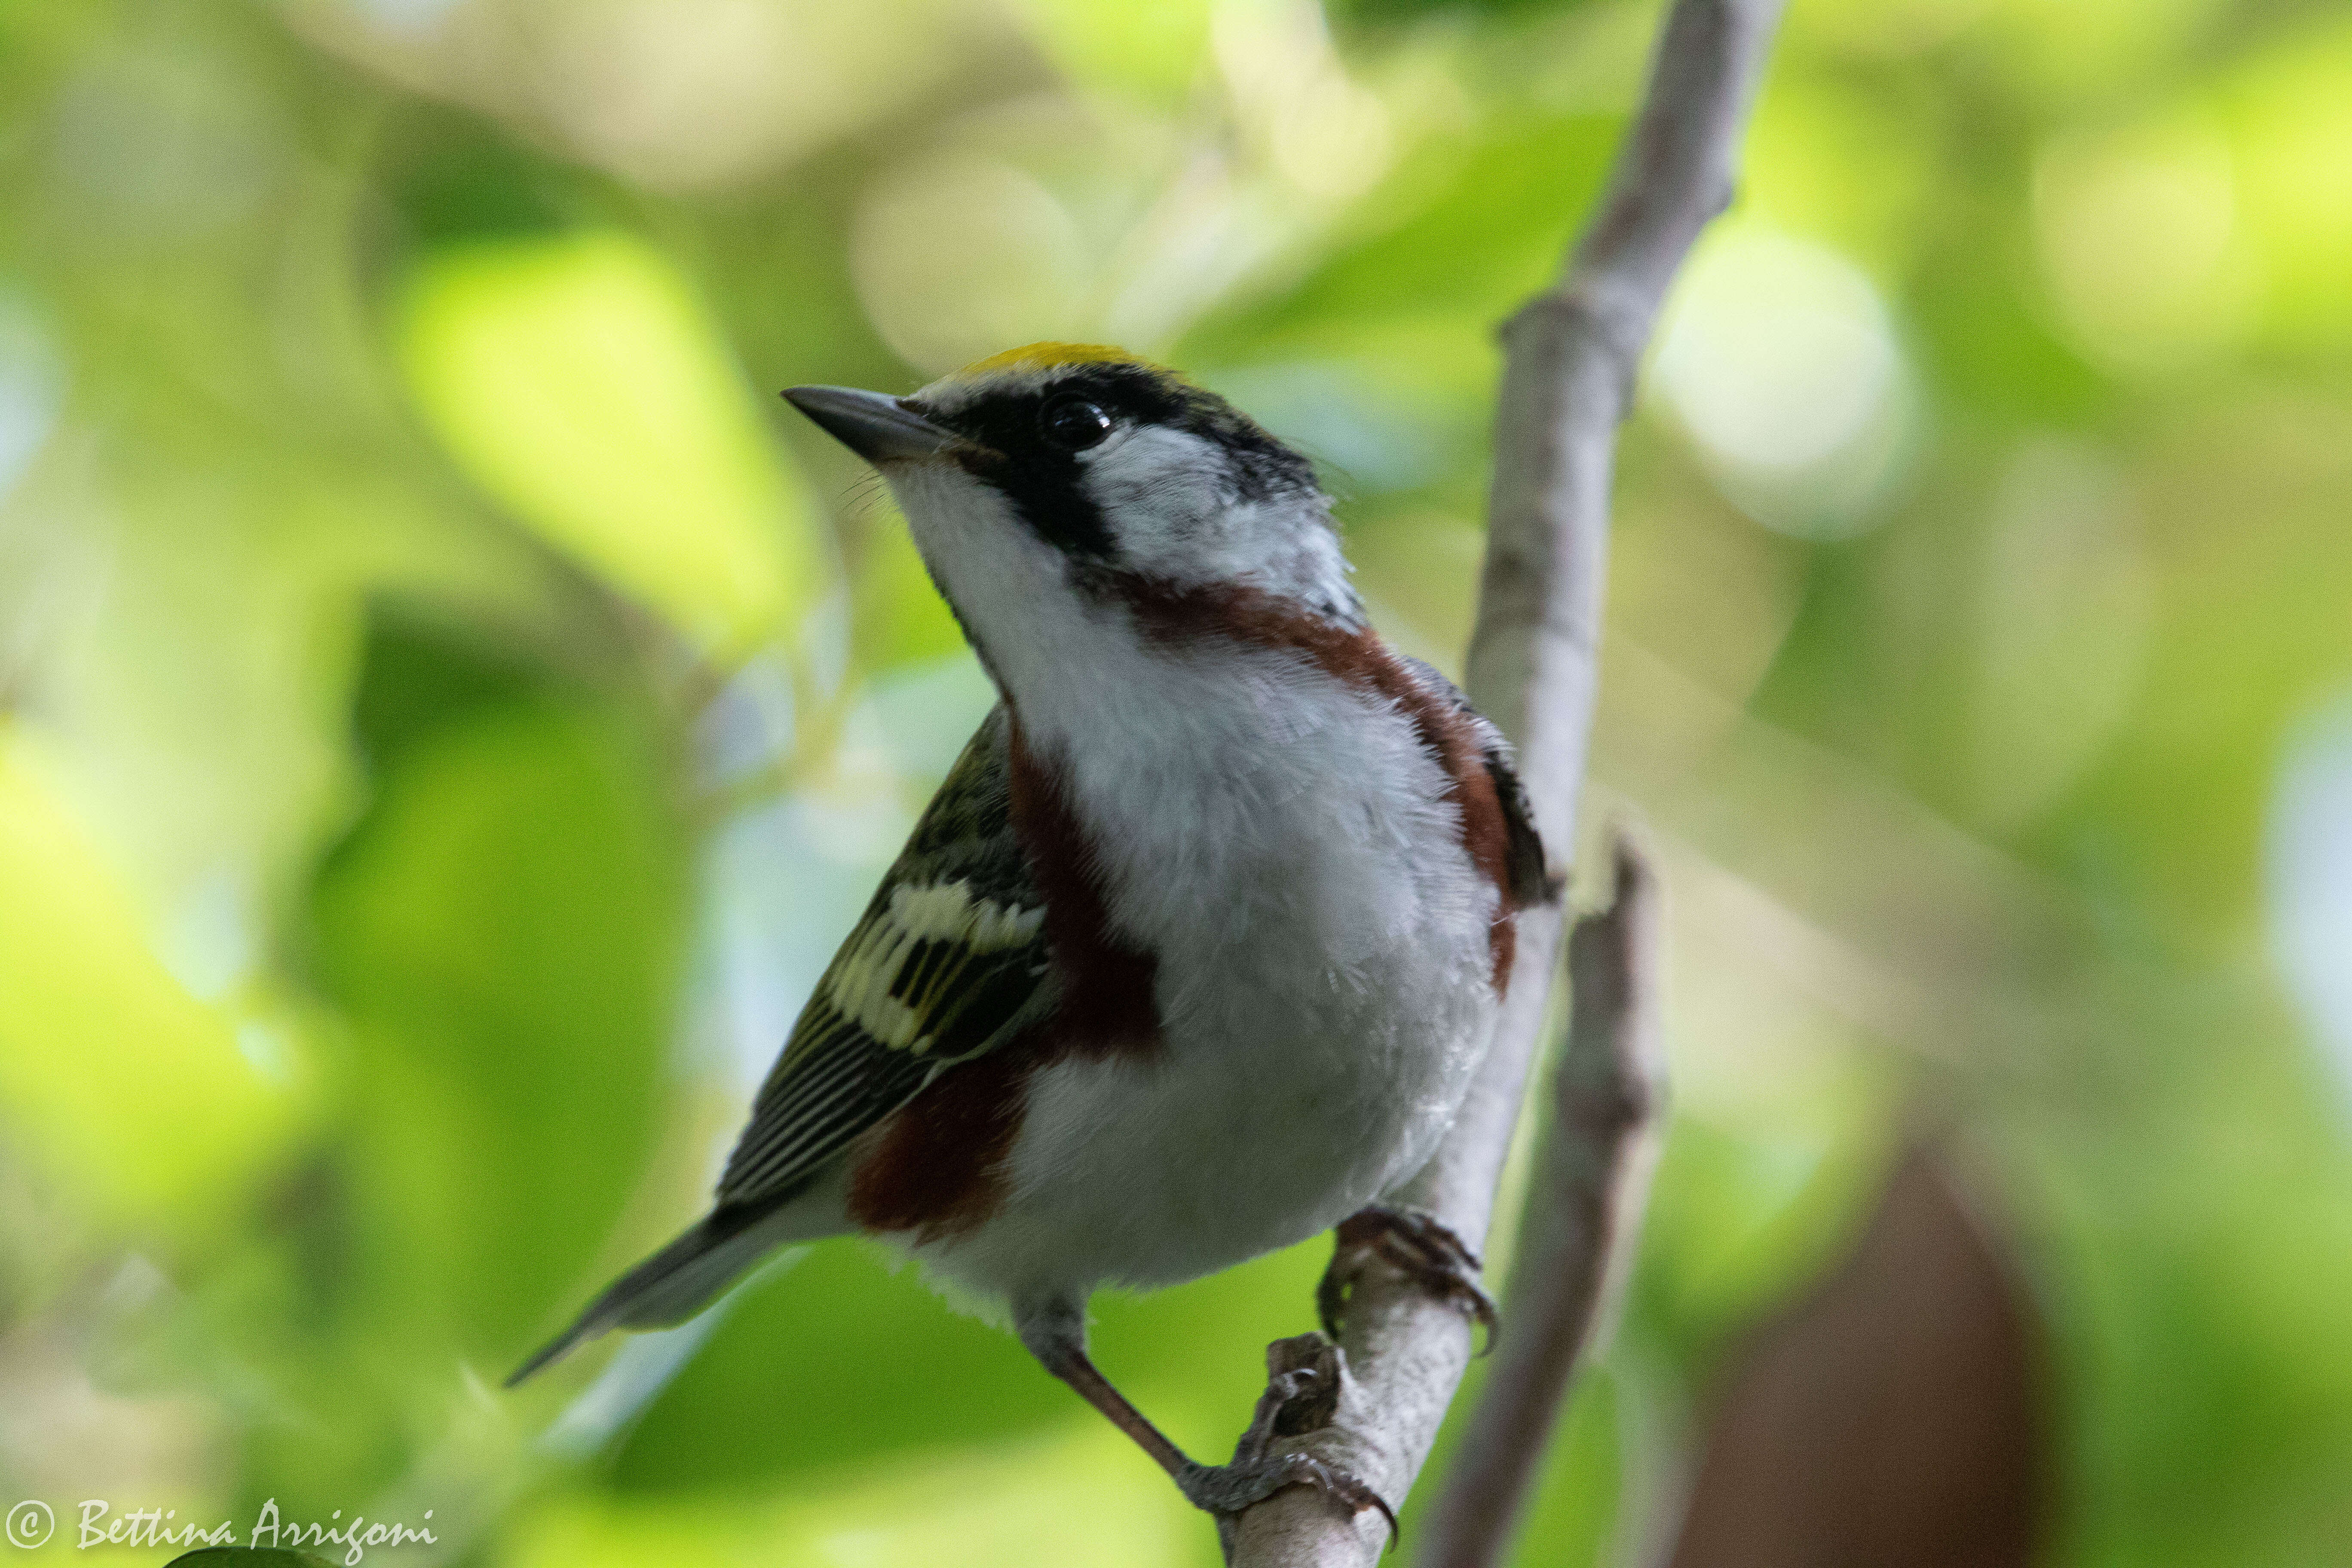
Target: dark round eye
[{"x": 1072, "y": 423}]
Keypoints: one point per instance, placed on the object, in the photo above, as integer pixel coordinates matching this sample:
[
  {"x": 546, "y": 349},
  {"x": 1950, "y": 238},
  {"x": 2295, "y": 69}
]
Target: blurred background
[{"x": 450, "y": 710}]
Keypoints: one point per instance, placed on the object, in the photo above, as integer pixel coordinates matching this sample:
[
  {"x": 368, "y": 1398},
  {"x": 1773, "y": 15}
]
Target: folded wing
[{"x": 947, "y": 963}]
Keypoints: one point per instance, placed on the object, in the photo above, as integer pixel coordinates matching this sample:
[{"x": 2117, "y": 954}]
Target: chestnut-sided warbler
[{"x": 1197, "y": 948}]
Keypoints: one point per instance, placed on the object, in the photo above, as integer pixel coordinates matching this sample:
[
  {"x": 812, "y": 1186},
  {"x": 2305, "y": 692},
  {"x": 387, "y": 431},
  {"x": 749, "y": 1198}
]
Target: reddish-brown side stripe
[
  {"x": 1109, "y": 1005},
  {"x": 937, "y": 1166},
  {"x": 1360, "y": 659}
]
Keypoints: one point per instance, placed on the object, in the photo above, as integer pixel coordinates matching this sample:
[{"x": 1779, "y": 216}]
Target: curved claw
[
  {"x": 1226, "y": 1490},
  {"x": 1417, "y": 1246}
]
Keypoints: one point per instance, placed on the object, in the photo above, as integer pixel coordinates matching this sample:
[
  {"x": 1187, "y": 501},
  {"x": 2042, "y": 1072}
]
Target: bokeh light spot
[
  {"x": 1779, "y": 358},
  {"x": 2310, "y": 879}
]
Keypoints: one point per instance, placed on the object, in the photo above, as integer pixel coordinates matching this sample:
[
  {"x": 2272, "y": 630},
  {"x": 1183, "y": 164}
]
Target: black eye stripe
[{"x": 1039, "y": 468}]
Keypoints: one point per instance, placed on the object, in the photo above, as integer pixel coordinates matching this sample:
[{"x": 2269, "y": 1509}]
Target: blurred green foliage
[{"x": 448, "y": 712}]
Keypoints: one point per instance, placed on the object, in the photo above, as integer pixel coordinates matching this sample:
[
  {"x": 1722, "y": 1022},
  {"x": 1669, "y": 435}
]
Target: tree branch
[
  {"x": 1570, "y": 357},
  {"x": 1583, "y": 1212}
]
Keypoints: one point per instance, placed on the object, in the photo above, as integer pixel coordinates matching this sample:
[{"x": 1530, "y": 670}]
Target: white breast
[{"x": 1284, "y": 844}]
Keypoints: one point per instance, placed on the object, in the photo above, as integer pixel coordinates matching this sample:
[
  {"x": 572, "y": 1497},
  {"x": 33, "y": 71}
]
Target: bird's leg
[
  {"x": 1055, "y": 1335},
  {"x": 1415, "y": 1244}
]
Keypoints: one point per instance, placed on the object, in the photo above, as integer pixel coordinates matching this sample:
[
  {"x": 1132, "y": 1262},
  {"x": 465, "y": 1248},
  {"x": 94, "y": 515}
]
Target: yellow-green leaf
[
  {"x": 581, "y": 383},
  {"x": 115, "y": 1076},
  {"x": 1153, "y": 50},
  {"x": 898, "y": 614}
]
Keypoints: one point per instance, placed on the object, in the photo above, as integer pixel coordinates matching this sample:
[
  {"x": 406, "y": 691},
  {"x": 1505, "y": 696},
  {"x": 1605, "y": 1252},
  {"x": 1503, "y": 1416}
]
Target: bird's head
[{"x": 1067, "y": 476}]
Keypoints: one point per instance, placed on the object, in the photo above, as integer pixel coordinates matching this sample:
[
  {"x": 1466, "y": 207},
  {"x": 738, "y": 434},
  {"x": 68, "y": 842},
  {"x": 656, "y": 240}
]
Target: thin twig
[
  {"x": 1572, "y": 355},
  {"x": 1584, "y": 1208}
]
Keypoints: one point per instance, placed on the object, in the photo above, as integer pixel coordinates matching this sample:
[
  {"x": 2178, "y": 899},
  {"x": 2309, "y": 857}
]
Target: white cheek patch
[
  {"x": 1168, "y": 500},
  {"x": 1165, "y": 495}
]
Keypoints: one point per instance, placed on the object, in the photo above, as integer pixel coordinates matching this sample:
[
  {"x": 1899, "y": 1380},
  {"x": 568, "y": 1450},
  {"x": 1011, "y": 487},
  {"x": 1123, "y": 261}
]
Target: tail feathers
[{"x": 667, "y": 1288}]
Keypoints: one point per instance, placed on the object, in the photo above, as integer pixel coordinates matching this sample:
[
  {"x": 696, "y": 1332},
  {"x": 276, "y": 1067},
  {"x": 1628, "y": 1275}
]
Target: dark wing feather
[
  {"x": 1531, "y": 883},
  {"x": 1530, "y": 879},
  {"x": 947, "y": 963}
]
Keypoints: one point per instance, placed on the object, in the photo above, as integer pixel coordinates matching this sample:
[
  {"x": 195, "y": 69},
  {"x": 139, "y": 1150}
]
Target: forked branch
[
  {"x": 1572, "y": 353},
  {"x": 1583, "y": 1211}
]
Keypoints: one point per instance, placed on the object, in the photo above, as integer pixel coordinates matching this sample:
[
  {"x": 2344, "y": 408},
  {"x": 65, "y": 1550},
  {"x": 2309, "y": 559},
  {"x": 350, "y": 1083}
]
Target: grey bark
[
  {"x": 1572, "y": 353},
  {"x": 1583, "y": 1211}
]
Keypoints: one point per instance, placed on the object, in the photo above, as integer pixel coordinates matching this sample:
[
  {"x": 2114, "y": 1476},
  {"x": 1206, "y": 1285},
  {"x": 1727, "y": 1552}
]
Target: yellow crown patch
[{"x": 1045, "y": 356}]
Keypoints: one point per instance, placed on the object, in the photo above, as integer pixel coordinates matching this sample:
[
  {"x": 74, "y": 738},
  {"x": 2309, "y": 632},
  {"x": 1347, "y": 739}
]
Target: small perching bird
[{"x": 1196, "y": 951}]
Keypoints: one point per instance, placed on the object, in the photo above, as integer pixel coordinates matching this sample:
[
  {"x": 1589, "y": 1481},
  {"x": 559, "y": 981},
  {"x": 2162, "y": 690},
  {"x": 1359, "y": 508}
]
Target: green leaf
[
  {"x": 897, "y": 615},
  {"x": 112, "y": 1074},
  {"x": 1074, "y": 1496},
  {"x": 841, "y": 1362},
  {"x": 503, "y": 932},
  {"x": 835, "y": 1361},
  {"x": 1466, "y": 229},
  {"x": 581, "y": 383},
  {"x": 2290, "y": 120},
  {"x": 1154, "y": 50}
]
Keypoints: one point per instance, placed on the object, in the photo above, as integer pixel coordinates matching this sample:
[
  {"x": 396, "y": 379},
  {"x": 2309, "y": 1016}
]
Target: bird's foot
[
  {"x": 1302, "y": 1394},
  {"x": 1415, "y": 1244},
  {"x": 1226, "y": 1490}
]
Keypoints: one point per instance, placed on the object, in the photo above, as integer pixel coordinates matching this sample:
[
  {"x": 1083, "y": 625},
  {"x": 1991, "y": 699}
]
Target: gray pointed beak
[{"x": 877, "y": 427}]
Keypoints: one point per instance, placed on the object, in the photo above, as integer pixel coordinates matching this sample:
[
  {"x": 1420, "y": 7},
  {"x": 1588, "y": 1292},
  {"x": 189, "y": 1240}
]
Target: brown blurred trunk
[{"x": 1892, "y": 1419}]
